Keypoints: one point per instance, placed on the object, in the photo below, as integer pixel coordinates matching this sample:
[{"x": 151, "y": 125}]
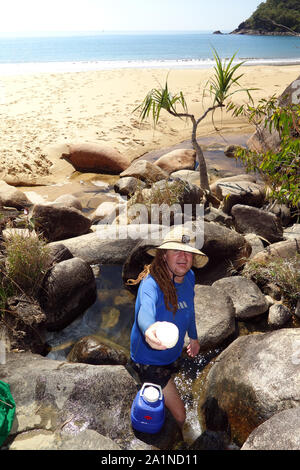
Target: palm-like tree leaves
[
  {"x": 221, "y": 84},
  {"x": 220, "y": 87},
  {"x": 158, "y": 99}
]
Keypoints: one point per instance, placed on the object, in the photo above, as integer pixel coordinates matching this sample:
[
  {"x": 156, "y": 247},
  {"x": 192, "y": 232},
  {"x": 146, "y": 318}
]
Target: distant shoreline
[{"x": 94, "y": 66}]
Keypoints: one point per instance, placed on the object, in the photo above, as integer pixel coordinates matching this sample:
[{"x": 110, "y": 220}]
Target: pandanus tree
[{"x": 220, "y": 87}]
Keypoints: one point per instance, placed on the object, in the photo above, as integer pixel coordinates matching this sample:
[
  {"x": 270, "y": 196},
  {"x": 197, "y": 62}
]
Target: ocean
[{"x": 81, "y": 52}]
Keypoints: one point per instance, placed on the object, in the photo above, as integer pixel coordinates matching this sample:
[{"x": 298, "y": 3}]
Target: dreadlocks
[{"x": 158, "y": 271}]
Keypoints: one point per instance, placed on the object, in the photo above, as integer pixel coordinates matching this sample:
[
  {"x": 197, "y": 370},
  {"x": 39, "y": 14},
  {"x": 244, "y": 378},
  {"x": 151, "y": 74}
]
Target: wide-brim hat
[{"x": 181, "y": 239}]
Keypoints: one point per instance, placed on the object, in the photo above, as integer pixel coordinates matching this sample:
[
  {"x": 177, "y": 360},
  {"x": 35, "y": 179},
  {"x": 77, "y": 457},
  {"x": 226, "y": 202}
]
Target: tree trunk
[{"x": 204, "y": 184}]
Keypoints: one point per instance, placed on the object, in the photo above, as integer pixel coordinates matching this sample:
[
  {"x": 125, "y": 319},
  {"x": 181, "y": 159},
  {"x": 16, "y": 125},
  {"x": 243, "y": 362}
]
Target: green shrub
[
  {"x": 283, "y": 272},
  {"x": 26, "y": 263}
]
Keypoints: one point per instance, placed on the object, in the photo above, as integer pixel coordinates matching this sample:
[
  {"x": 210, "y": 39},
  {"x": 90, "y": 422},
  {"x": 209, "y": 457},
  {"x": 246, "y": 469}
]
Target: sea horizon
[{"x": 90, "y": 51}]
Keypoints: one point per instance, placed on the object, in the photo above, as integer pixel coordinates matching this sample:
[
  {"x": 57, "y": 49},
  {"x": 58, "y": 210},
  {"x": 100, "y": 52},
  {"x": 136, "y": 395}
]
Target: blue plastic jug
[{"x": 148, "y": 409}]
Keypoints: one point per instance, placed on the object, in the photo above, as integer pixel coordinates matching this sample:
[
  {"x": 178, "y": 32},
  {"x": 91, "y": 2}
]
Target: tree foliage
[
  {"x": 275, "y": 16},
  {"x": 280, "y": 168},
  {"x": 221, "y": 86}
]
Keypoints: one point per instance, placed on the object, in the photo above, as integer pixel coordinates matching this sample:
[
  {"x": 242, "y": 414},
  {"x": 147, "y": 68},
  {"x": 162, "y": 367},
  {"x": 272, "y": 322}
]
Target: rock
[
  {"x": 179, "y": 159},
  {"x": 282, "y": 212},
  {"x": 182, "y": 198},
  {"x": 291, "y": 95},
  {"x": 107, "y": 210},
  {"x": 136, "y": 260},
  {"x": 96, "y": 158},
  {"x": 87, "y": 439},
  {"x": 62, "y": 397},
  {"x": 255, "y": 377},
  {"x": 58, "y": 223},
  {"x": 12, "y": 197},
  {"x": 273, "y": 290},
  {"x": 255, "y": 242},
  {"x": 191, "y": 176},
  {"x": 214, "y": 314},
  {"x": 23, "y": 321},
  {"x": 292, "y": 232},
  {"x": 222, "y": 243},
  {"x": 279, "y": 314},
  {"x": 68, "y": 290},
  {"x": 247, "y": 298},
  {"x": 280, "y": 432},
  {"x": 240, "y": 192},
  {"x": 229, "y": 179},
  {"x": 217, "y": 215},
  {"x": 230, "y": 150},
  {"x": 253, "y": 220},
  {"x": 145, "y": 171},
  {"x": 59, "y": 252},
  {"x": 285, "y": 249},
  {"x": 209, "y": 440},
  {"x": 92, "y": 350},
  {"x": 68, "y": 200},
  {"x": 263, "y": 140},
  {"x": 128, "y": 185},
  {"x": 110, "y": 244}
]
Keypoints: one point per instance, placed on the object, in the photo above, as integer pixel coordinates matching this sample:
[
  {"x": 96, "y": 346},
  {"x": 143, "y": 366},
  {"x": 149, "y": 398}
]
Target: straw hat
[{"x": 180, "y": 238}]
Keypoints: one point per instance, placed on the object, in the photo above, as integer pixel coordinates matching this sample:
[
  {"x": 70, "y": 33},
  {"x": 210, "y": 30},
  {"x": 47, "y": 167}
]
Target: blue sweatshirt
[{"x": 150, "y": 308}]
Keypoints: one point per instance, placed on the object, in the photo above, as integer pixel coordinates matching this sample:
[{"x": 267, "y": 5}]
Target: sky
[{"x": 36, "y": 16}]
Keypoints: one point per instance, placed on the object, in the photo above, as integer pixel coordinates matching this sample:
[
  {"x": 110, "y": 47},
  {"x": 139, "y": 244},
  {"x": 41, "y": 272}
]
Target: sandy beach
[{"x": 41, "y": 113}]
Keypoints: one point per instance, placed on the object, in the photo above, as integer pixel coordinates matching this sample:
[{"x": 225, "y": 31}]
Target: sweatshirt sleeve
[
  {"x": 146, "y": 314},
  {"x": 192, "y": 329}
]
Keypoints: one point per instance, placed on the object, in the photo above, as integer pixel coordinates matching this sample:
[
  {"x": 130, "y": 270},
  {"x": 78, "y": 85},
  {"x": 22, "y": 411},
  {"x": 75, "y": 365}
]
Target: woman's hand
[
  {"x": 151, "y": 339},
  {"x": 193, "y": 348}
]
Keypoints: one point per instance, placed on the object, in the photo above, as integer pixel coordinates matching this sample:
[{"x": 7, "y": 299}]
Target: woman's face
[{"x": 178, "y": 262}]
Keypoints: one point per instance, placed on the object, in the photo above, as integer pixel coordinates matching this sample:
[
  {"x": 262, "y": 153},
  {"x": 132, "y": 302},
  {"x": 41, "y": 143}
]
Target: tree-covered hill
[{"x": 273, "y": 17}]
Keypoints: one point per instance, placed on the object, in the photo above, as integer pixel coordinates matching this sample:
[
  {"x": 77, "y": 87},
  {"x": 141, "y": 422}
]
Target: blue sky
[{"x": 33, "y": 16}]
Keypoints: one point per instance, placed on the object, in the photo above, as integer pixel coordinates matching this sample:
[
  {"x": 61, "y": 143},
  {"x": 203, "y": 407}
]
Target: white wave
[{"x": 85, "y": 66}]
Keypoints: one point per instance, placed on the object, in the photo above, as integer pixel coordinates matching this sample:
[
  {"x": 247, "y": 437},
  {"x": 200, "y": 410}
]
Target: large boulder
[
  {"x": 145, "y": 171},
  {"x": 128, "y": 185},
  {"x": 284, "y": 249},
  {"x": 247, "y": 298},
  {"x": 280, "y": 432},
  {"x": 222, "y": 243},
  {"x": 68, "y": 290},
  {"x": 240, "y": 192},
  {"x": 12, "y": 197},
  {"x": 89, "y": 156},
  {"x": 54, "y": 397},
  {"x": 179, "y": 159},
  {"x": 60, "y": 440},
  {"x": 109, "y": 244},
  {"x": 249, "y": 219},
  {"x": 57, "y": 222},
  {"x": 255, "y": 377},
  {"x": 94, "y": 350},
  {"x": 214, "y": 314},
  {"x": 214, "y": 187}
]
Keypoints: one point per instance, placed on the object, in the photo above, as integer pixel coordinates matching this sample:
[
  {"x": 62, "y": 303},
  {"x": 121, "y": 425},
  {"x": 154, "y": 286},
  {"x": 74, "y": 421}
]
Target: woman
[{"x": 166, "y": 293}]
